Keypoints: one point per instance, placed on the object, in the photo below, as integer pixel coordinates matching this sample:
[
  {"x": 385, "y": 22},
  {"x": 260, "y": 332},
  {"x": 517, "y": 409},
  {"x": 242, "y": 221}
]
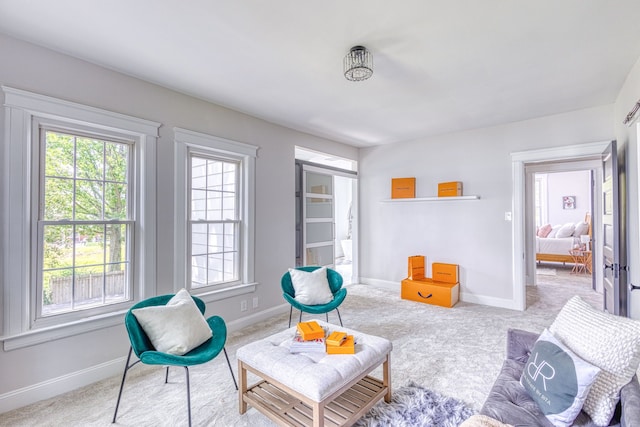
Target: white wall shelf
[{"x": 430, "y": 199}]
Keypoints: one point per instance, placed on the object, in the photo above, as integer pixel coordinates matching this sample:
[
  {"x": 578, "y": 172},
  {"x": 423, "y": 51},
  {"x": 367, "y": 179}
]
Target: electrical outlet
[
  {"x": 255, "y": 302},
  {"x": 243, "y": 305}
]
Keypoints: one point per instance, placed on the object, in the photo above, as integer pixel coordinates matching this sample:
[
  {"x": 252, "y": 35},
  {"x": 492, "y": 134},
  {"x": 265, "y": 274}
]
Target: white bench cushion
[{"x": 315, "y": 375}]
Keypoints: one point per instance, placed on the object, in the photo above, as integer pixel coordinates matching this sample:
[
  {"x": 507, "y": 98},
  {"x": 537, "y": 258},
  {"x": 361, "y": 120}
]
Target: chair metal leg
[
  {"x": 327, "y": 314},
  {"x": 290, "y": 313},
  {"x": 339, "y": 318},
  {"x": 166, "y": 376},
  {"x": 230, "y": 370},
  {"x": 124, "y": 376},
  {"x": 186, "y": 368},
  {"x": 300, "y": 316}
]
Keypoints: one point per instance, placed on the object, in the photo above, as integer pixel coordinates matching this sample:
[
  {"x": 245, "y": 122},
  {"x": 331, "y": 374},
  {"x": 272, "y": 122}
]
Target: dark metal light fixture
[{"x": 358, "y": 64}]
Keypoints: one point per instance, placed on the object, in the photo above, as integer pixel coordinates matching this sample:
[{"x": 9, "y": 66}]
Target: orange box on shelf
[
  {"x": 403, "y": 188},
  {"x": 429, "y": 291},
  {"x": 347, "y": 347},
  {"x": 310, "y": 330},
  {"x": 446, "y": 273},
  {"x": 450, "y": 189},
  {"x": 416, "y": 267}
]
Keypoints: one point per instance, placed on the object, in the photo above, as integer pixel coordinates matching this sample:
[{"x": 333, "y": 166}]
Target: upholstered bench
[{"x": 313, "y": 387}]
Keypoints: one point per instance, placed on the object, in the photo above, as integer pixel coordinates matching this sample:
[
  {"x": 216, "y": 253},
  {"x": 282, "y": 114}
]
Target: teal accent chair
[
  {"x": 147, "y": 354},
  {"x": 335, "y": 283}
]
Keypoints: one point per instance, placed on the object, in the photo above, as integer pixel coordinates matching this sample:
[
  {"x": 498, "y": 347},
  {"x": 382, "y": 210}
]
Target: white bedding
[{"x": 558, "y": 246}]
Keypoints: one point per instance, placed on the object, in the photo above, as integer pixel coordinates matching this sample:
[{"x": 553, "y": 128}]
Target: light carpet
[
  {"x": 456, "y": 352},
  {"x": 546, "y": 271}
]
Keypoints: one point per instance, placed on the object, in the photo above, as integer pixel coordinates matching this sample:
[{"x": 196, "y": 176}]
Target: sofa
[{"x": 509, "y": 402}]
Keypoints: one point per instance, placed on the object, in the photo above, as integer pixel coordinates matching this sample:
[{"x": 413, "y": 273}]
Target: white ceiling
[{"x": 439, "y": 66}]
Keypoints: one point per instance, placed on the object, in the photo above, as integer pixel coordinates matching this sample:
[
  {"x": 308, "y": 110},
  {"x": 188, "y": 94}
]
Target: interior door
[
  {"x": 318, "y": 218},
  {"x": 611, "y": 231}
]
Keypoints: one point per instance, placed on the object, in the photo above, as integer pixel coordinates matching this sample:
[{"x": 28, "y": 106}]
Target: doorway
[
  {"x": 523, "y": 204},
  {"x": 563, "y": 195},
  {"x": 326, "y": 212}
]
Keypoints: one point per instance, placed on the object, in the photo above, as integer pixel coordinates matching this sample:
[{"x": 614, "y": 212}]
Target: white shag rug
[{"x": 417, "y": 406}]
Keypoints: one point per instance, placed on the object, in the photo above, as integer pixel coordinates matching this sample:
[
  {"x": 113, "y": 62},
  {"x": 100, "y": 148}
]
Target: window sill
[
  {"x": 39, "y": 336},
  {"x": 230, "y": 292},
  {"x": 52, "y": 333}
]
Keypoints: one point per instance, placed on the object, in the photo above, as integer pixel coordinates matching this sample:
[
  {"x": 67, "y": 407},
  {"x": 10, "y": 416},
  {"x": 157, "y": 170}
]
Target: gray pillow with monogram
[{"x": 557, "y": 380}]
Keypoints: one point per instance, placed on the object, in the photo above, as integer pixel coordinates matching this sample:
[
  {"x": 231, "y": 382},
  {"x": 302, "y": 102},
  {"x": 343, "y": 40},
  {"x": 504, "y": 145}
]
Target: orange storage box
[
  {"x": 403, "y": 188},
  {"x": 430, "y": 292},
  {"x": 446, "y": 273},
  {"x": 310, "y": 330},
  {"x": 450, "y": 189},
  {"x": 347, "y": 347},
  {"x": 416, "y": 267}
]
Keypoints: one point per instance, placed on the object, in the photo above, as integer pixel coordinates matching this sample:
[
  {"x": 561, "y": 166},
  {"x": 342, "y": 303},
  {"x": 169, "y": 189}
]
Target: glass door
[{"x": 318, "y": 218}]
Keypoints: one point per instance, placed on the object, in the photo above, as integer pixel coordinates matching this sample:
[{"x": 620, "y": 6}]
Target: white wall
[
  {"x": 473, "y": 234},
  {"x": 37, "y": 371},
  {"x": 560, "y": 184},
  {"x": 627, "y": 137}
]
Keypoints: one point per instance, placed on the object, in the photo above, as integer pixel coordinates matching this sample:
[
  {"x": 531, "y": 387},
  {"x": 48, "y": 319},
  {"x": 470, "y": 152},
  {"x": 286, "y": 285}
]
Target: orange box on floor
[
  {"x": 430, "y": 292},
  {"x": 446, "y": 273},
  {"x": 416, "y": 267},
  {"x": 450, "y": 189},
  {"x": 403, "y": 188}
]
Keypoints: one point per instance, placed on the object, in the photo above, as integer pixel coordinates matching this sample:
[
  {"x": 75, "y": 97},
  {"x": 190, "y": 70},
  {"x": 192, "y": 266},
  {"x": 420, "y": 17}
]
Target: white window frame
[
  {"x": 185, "y": 142},
  {"x": 23, "y": 113}
]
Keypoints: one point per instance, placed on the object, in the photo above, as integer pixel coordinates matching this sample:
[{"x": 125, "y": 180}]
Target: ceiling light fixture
[{"x": 358, "y": 64}]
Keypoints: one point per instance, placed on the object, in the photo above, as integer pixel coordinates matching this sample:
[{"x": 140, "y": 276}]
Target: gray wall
[
  {"x": 627, "y": 137},
  {"x": 52, "y": 367},
  {"x": 473, "y": 234}
]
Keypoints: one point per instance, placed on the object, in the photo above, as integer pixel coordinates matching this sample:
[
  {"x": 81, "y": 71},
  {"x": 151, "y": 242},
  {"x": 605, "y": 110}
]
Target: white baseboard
[
  {"x": 489, "y": 301},
  {"x": 464, "y": 296},
  {"x": 252, "y": 319},
  {"x": 56, "y": 386}
]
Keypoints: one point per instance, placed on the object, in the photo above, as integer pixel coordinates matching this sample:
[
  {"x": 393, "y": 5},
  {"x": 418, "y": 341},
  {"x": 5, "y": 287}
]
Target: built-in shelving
[{"x": 431, "y": 199}]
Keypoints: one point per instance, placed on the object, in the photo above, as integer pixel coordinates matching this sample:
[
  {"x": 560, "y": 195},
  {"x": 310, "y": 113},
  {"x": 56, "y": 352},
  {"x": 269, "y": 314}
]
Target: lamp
[
  {"x": 358, "y": 64},
  {"x": 585, "y": 239}
]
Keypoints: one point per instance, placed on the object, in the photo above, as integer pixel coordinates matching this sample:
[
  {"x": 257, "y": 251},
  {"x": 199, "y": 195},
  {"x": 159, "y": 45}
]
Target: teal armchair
[
  {"x": 147, "y": 354},
  {"x": 335, "y": 283}
]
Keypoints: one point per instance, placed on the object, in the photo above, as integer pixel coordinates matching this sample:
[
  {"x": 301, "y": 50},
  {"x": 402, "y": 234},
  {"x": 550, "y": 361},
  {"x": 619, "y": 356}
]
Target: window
[
  {"x": 214, "y": 221},
  {"x": 214, "y": 215},
  {"x": 540, "y": 199},
  {"x": 84, "y": 227},
  {"x": 77, "y": 184}
]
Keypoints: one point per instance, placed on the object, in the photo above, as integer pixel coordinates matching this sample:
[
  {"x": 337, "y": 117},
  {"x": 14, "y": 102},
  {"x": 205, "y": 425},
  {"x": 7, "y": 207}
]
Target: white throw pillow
[
  {"x": 557, "y": 380},
  {"x": 580, "y": 229},
  {"x": 175, "y": 328},
  {"x": 566, "y": 230},
  {"x": 554, "y": 231},
  {"x": 311, "y": 287},
  {"x": 609, "y": 342}
]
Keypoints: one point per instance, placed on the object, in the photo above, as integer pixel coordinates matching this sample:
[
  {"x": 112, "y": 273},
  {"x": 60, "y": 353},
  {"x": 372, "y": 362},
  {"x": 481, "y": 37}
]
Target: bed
[{"x": 553, "y": 244}]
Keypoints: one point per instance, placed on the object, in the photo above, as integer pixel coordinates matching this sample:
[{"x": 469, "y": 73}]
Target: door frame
[{"x": 519, "y": 206}]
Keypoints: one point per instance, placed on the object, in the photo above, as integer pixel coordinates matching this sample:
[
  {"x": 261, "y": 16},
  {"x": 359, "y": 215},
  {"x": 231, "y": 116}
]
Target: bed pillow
[
  {"x": 544, "y": 230},
  {"x": 566, "y": 230},
  {"x": 175, "y": 328},
  {"x": 311, "y": 287},
  {"x": 581, "y": 228},
  {"x": 554, "y": 231},
  {"x": 609, "y": 342},
  {"x": 557, "y": 380}
]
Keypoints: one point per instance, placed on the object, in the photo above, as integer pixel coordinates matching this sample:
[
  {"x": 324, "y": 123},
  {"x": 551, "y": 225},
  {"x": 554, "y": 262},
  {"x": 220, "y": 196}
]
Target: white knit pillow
[
  {"x": 175, "y": 328},
  {"x": 609, "y": 342}
]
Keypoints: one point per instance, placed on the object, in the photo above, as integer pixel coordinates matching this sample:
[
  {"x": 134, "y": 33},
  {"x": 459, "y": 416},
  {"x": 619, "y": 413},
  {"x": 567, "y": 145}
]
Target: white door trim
[{"x": 519, "y": 159}]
